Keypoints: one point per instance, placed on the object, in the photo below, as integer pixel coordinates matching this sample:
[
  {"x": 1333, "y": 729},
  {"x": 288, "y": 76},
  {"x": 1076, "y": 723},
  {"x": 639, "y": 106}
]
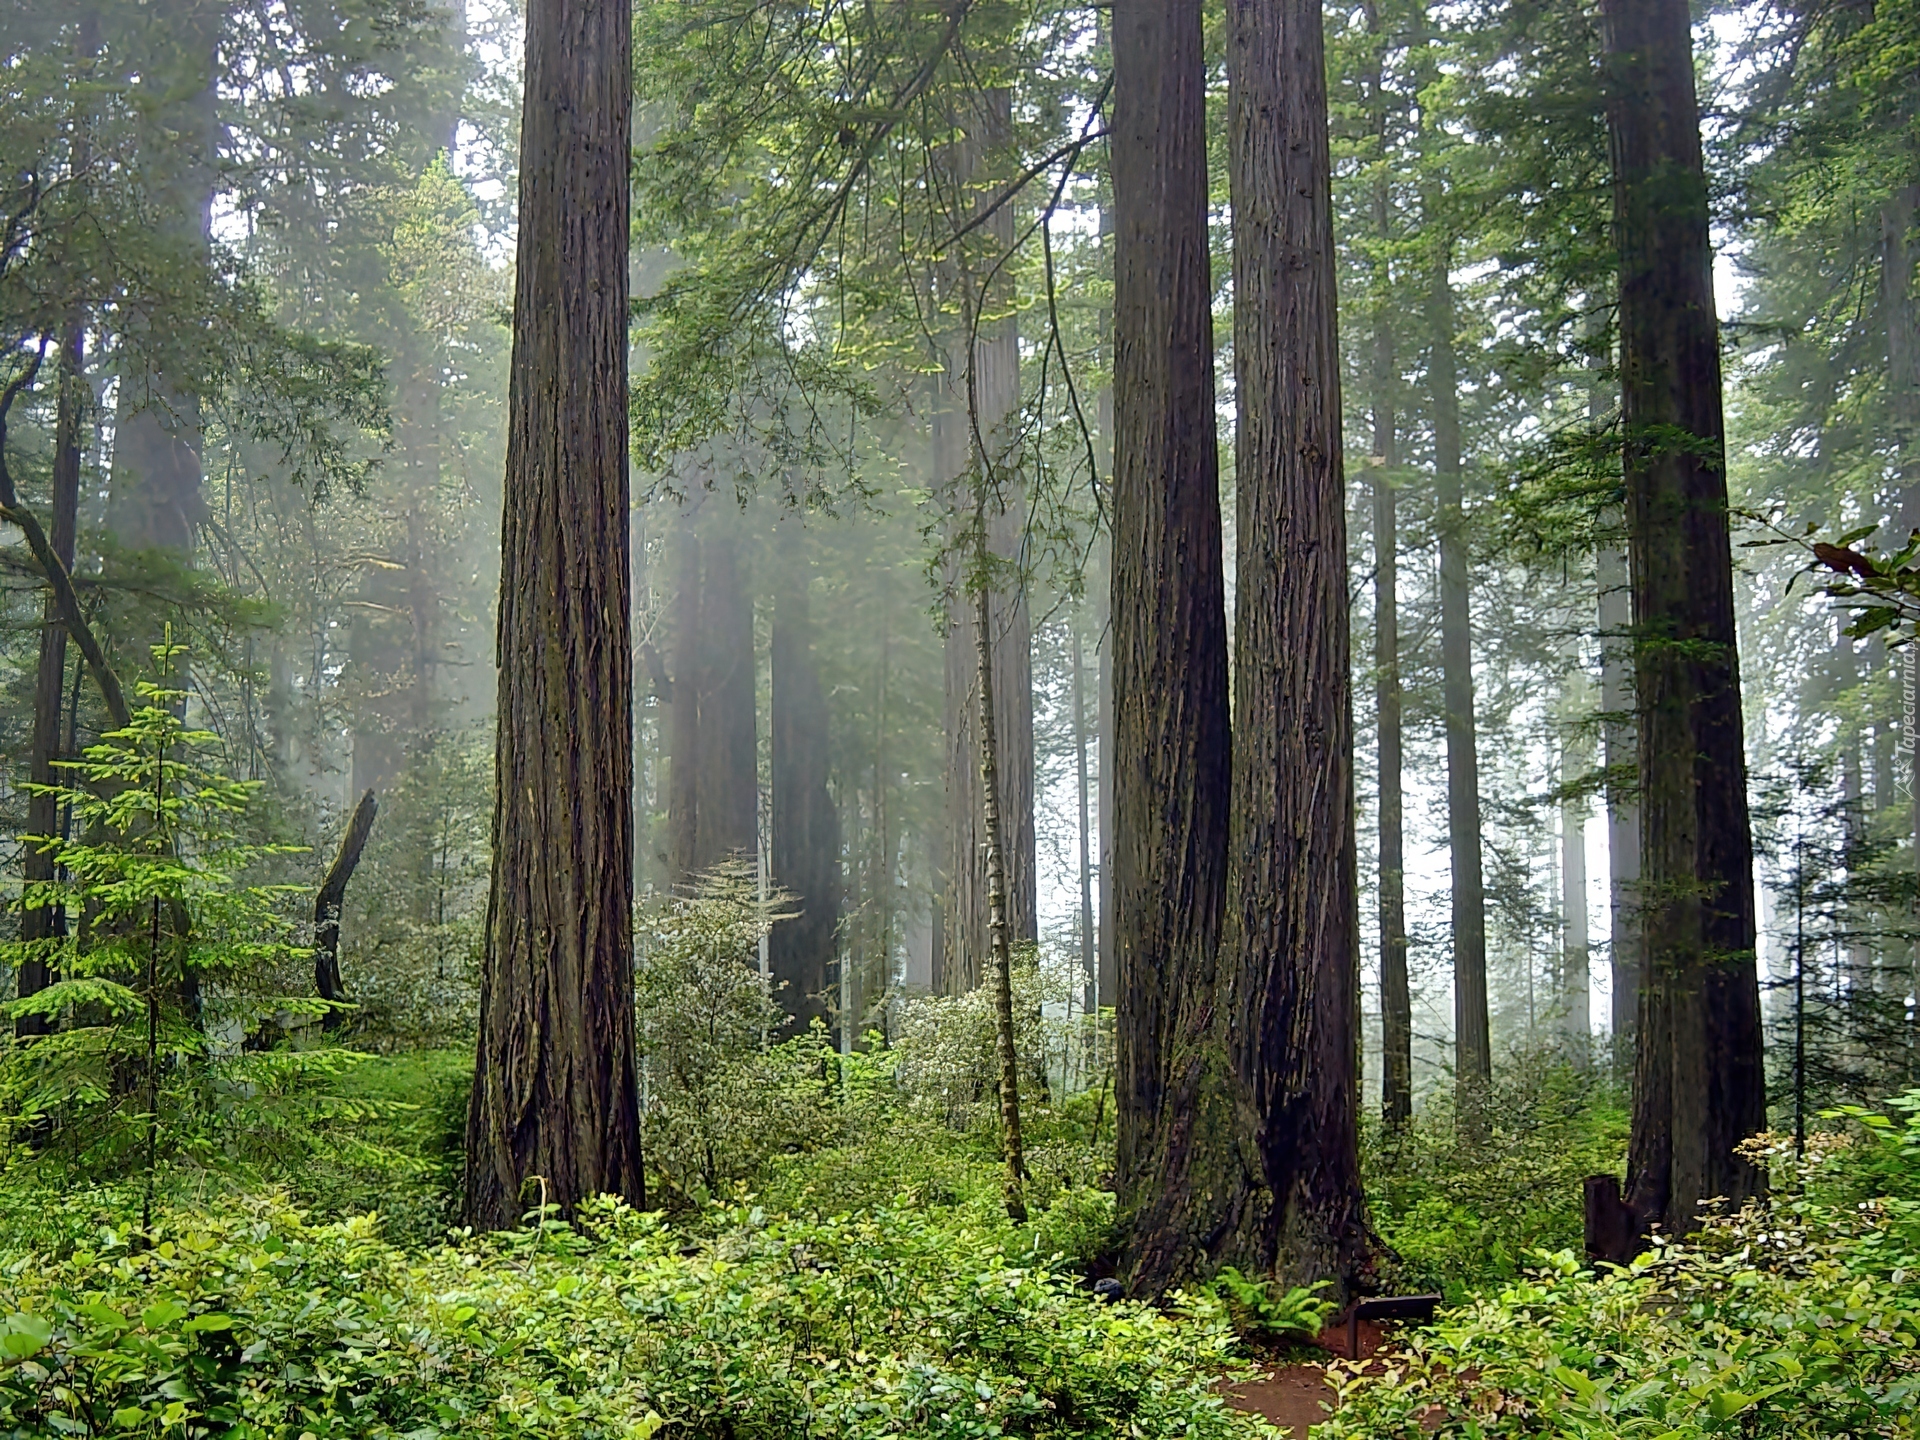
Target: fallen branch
[{"x": 326, "y": 909}]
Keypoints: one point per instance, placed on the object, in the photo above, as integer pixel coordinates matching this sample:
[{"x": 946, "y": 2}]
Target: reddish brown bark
[
  {"x": 1699, "y": 1088},
  {"x": 1169, "y": 634},
  {"x": 554, "y": 1115}
]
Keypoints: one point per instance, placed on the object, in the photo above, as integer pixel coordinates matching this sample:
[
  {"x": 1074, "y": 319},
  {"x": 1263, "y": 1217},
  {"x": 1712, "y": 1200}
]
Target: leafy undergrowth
[
  {"x": 1801, "y": 1318},
  {"x": 1460, "y": 1216},
  {"x": 258, "y": 1322}
]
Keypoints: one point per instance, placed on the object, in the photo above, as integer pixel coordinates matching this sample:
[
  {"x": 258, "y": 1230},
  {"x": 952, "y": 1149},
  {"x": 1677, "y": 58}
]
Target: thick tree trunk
[
  {"x": 1472, "y": 1037},
  {"x": 555, "y": 1114},
  {"x": 47, "y": 923},
  {"x": 1171, "y": 757},
  {"x": 1699, "y": 1087},
  {"x": 805, "y": 843},
  {"x": 1396, "y": 996},
  {"x": 1288, "y": 984}
]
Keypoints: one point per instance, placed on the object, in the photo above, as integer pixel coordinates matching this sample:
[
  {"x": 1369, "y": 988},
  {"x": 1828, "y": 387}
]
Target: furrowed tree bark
[
  {"x": 1472, "y": 1035},
  {"x": 554, "y": 1116},
  {"x": 805, "y": 843},
  {"x": 1000, "y": 948},
  {"x": 1699, "y": 1088},
  {"x": 1289, "y": 981},
  {"x": 1396, "y": 996},
  {"x": 47, "y": 923},
  {"x": 327, "y": 904},
  {"x": 1171, "y": 756}
]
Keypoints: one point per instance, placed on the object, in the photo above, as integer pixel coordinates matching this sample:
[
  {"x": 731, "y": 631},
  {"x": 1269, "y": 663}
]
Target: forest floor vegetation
[{"x": 850, "y": 1272}]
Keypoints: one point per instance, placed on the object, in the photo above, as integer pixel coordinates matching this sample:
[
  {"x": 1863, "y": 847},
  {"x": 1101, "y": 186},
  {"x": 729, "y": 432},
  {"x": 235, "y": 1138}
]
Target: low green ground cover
[{"x": 1800, "y": 1317}]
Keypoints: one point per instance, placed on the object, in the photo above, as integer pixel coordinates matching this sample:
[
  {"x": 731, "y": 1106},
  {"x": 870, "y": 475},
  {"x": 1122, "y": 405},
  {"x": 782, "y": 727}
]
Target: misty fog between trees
[{"x": 949, "y": 718}]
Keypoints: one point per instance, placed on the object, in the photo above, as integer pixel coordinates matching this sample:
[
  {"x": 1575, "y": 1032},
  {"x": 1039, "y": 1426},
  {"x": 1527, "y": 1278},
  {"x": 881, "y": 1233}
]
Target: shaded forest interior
[{"x": 897, "y": 717}]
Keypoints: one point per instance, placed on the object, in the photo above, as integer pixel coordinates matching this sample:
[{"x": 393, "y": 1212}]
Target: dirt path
[{"x": 1292, "y": 1390}]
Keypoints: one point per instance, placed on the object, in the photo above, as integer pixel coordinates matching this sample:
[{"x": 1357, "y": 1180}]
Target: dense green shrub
[
  {"x": 259, "y": 1323},
  {"x": 1798, "y": 1318},
  {"x": 1461, "y": 1213}
]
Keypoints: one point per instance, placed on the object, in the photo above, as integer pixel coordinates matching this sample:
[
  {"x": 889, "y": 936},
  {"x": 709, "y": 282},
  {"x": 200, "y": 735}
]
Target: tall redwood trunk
[
  {"x": 729, "y": 773},
  {"x": 804, "y": 852},
  {"x": 555, "y": 1115},
  {"x": 712, "y": 731},
  {"x": 1169, "y": 643},
  {"x": 1288, "y": 984},
  {"x": 156, "y": 501},
  {"x": 683, "y": 706},
  {"x": 1699, "y": 1087},
  {"x": 1396, "y": 996},
  {"x": 1472, "y": 1036}
]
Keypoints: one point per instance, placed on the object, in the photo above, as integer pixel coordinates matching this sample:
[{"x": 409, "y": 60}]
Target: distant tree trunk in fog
[
  {"x": 805, "y": 848},
  {"x": 683, "y": 706},
  {"x": 1100, "y": 587},
  {"x": 48, "y": 922},
  {"x": 395, "y": 639},
  {"x": 1396, "y": 995},
  {"x": 1575, "y": 1005},
  {"x": 156, "y": 502},
  {"x": 1107, "y": 972},
  {"x": 1900, "y": 306},
  {"x": 1089, "y": 974},
  {"x": 729, "y": 783},
  {"x": 1899, "y": 255},
  {"x": 1619, "y": 738},
  {"x": 554, "y": 1115},
  {"x": 1169, "y": 635},
  {"x": 1699, "y": 1088},
  {"x": 713, "y": 780},
  {"x": 994, "y": 407},
  {"x": 1472, "y": 1037}
]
